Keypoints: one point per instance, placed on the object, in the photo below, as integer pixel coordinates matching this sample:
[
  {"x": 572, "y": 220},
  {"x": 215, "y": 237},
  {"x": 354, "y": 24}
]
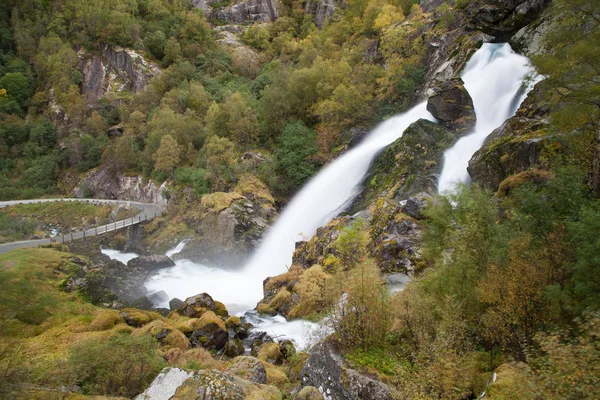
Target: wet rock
[
  {"x": 270, "y": 352},
  {"x": 409, "y": 165},
  {"x": 452, "y": 104},
  {"x": 142, "y": 302},
  {"x": 248, "y": 368},
  {"x": 327, "y": 370},
  {"x": 151, "y": 263},
  {"x": 415, "y": 205},
  {"x": 503, "y": 18},
  {"x": 517, "y": 145},
  {"x": 158, "y": 298},
  {"x": 288, "y": 350}
]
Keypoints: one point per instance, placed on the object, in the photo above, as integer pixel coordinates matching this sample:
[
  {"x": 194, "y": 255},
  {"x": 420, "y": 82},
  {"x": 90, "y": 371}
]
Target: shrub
[{"x": 122, "y": 366}]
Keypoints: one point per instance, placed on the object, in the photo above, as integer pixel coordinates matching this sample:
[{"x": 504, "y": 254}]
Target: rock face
[
  {"x": 249, "y": 368},
  {"x": 503, "y": 18},
  {"x": 106, "y": 183},
  {"x": 321, "y": 10},
  {"x": 248, "y": 11},
  {"x": 229, "y": 227},
  {"x": 115, "y": 69},
  {"x": 452, "y": 104},
  {"x": 515, "y": 146},
  {"x": 396, "y": 238},
  {"x": 327, "y": 370}
]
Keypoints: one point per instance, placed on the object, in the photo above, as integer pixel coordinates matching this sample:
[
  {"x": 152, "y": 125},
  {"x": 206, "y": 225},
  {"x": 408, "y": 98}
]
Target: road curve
[{"x": 148, "y": 212}]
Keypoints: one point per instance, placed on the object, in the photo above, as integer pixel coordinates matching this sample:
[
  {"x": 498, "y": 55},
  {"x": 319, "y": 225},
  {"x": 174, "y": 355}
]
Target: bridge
[{"x": 147, "y": 212}]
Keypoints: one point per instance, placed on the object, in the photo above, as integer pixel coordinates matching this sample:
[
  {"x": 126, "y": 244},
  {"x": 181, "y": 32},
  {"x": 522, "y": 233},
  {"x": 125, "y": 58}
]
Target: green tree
[
  {"x": 166, "y": 157},
  {"x": 17, "y": 88},
  {"x": 172, "y": 52},
  {"x": 296, "y": 145},
  {"x": 220, "y": 159}
]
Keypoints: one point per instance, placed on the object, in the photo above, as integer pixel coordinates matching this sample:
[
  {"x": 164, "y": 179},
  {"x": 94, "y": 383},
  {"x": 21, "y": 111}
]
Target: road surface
[{"x": 147, "y": 212}]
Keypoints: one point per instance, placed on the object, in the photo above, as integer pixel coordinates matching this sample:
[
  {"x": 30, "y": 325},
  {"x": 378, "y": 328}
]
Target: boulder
[
  {"x": 175, "y": 303},
  {"x": 234, "y": 348},
  {"x": 415, "y": 205},
  {"x": 503, "y": 18},
  {"x": 452, "y": 105},
  {"x": 165, "y": 384},
  {"x": 150, "y": 263},
  {"x": 210, "y": 332},
  {"x": 287, "y": 348},
  {"x": 327, "y": 370},
  {"x": 196, "y": 306},
  {"x": 248, "y": 368},
  {"x": 309, "y": 393}
]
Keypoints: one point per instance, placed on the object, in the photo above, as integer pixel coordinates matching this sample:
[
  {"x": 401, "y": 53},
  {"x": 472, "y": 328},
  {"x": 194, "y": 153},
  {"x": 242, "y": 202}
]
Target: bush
[
  {"x": 121, "y": 366},
  {"x": 296, "y": 145}
]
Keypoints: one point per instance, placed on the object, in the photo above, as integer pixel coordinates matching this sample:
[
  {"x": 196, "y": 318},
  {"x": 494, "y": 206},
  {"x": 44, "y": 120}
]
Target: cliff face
[{"x": 114, "y": 70}]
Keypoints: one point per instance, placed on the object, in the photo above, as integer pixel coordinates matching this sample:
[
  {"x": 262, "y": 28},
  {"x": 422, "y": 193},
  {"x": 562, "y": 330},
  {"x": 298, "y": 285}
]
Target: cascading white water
[{"x": 494, "y": 78}]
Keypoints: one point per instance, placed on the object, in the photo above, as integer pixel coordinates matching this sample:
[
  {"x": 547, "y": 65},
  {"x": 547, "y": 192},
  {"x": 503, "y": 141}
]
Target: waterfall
[{"x": 493, "y": 77}]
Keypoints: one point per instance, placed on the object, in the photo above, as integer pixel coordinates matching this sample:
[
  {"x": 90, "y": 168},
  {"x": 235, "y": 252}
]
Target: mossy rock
[
  {"x": 234, "y": 348},
  {"x": 270, "y": 352},
  {"x": 275, "y": 376},
  {"x": 309, "y": 393},
  {"x": 218, "y": 201},
  {"x": 233, "y": 322},
  {"x": 221, "y": 310},
  {"x": 138, "y": 318},
  {"x": 249, "y": 368},
  {"x": 263, "y": 308},
  {"x": 210, "y": 317}
]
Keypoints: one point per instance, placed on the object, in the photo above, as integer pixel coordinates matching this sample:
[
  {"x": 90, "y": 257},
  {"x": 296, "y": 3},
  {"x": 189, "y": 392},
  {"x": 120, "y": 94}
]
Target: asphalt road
[{"x": 147, "y": 212}]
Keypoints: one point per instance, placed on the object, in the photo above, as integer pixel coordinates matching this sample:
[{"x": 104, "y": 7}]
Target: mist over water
[{"x": 494, "y": 78}]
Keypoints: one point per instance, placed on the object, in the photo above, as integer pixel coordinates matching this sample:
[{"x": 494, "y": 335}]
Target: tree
[
  {"x": 220, "y": 160},
  {"x": 17, "y": 88},
  {"x": 296, "y": 145},
  {"x": 172, "y": 51},
  {"x": 167, "y": 156}
]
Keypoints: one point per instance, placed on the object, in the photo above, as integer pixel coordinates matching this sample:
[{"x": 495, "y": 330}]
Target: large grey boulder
[
  {"x": 249, "y": 368},
  {"x": 248, "y": 11},
  {"x": 327, "y": 370},
  {"x": 150, "y": 263}
]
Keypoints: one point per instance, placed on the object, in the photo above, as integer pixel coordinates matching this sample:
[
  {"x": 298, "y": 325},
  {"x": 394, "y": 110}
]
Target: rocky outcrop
[
  {"x": 515, "y": 146},
  {"x": 503, "y": 18},
  {"x": 229, "y": 226},
  {"x": 530, "y": 39},
  {"x": 452, "y": 105},
  {"x": 327, "y": 370},
  {"x": 249, "y": 368},
  {"x": 177, "y": 384},
  {"x": 114, "y": 70},
  {"x": 409, "y": 165},
  {"x": 322, "y": 10},
  {"x": 395, "y": 238},
  {"x": 106, "y": 183},
  {"x": 248, "y": 11}
]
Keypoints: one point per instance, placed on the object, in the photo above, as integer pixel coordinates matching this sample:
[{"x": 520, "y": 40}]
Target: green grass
[{"x": 377, "y": 359}]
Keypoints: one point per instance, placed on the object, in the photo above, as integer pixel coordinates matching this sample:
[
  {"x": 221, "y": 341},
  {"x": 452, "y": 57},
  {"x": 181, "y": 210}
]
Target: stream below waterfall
[{"x": 496, "y": 79}]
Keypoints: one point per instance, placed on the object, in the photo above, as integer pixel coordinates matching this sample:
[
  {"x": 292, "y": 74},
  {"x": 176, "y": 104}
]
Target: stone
[
  {"x": 165, "y": 384},
  {"x": 503, "y": 18},
  {"x": 327, "y": 370},
  {"x": 210, "y": 332},
  {"x": 287, "y": 348},
  {"x": 321, "y": 10},
  {"x": 150, "y": 263},
  {"x": 142, "y": 302},
  {"x": 196, "y": 306},
  {"x": 452, "y": 104},
  {"x": 175, "y": 303},
  {"x": 248, "y": 368},
  {"x": 234, "y": 348},
  {"x": 158, "y": 298},
  {"x": 415, "y": 205},
  {"x": 309, "y": 393}
]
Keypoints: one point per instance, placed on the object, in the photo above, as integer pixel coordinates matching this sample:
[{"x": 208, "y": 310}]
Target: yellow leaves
[
  {"x": 388, "y": 15},
  {"x": 3, "y": 95}
]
